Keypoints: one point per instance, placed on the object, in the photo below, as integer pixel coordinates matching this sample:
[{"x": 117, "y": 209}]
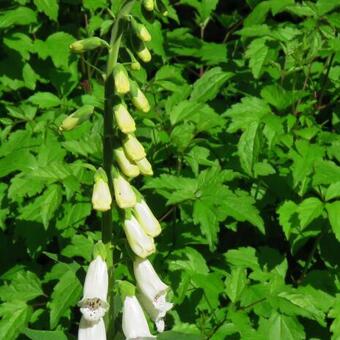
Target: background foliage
[{"x": 244, "y": 139}]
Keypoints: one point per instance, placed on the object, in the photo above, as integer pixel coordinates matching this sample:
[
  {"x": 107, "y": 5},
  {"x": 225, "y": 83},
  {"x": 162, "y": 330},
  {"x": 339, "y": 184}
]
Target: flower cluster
[{"x": 140, "y": 225}]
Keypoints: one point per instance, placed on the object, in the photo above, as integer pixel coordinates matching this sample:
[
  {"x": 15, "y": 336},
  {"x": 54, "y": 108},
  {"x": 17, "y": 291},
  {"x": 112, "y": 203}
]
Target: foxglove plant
[{"x": 121, "y": 164}]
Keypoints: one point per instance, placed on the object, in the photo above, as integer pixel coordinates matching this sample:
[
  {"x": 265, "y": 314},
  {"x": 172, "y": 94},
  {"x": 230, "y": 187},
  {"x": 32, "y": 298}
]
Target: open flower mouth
[{"x": 93, "y": 308}]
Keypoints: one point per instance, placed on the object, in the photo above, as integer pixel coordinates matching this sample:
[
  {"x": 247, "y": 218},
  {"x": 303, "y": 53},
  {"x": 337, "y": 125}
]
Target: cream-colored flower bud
[
  {"x": 149, "y": 5},
  {"x": 140, "y": 30},
  {"x": 147, "y": 219},
  {"x": 76, "y": 118},
  {"x": 144, "y": 55},
  {"x": 124, "y": 194},
  {"x": 133, "y": 148},
  {"x": 128, "y": 168},
  {"x": 81, "y": 46},
  {"x": 121, "y": 79},
  {"x": 124, "y": 120},
  {"x": 138, "y": 98},
  {"x": 135, "y": 65},
  {"x": 101, "y": 197},
  {"x": 145, "y": 167},
  {"x": 141, "y": 244}
]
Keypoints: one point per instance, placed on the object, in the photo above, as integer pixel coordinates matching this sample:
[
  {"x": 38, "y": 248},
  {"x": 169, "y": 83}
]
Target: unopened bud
[
  {"x": 101, "y": 197},
  {"x": 145, "y": 167},
  {"x": 138, "y": 98},
  {"x": 135, "y": 65},
  {"x": 149, "y": 5},
  {"x": 124, "y": 194},
  {"x": 140, "y": 30},
  {"x": 124, "y": 120},
  {"x": 121, "y": 79},
  {"x": 81, "y": 46},
  {"x": 76, "y": 118},
  {"x": 126, "y": 166},
  {"x": 133, "y": 148},
  {"x": 144, "y": 54}
]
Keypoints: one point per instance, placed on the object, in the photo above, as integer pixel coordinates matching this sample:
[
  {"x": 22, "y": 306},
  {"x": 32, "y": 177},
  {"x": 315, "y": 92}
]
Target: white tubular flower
[
  {"x": 145, "y": 167},
  {"x": 141, "y": 244},
  {"x": 101, "y": 197},
  {"x": 124, "y": 120},
  {"x": 133, "y": 148},
  {"x": 152, "y": 292},
  {"x": 134, "y": 323},
  {"x": 91, "y": 330},
  {"x": 146, "y": 219},
  {"x": 124, "y": 194},
  {"x": 126, "y": 166},
  {"x": 94, "y": 304}
]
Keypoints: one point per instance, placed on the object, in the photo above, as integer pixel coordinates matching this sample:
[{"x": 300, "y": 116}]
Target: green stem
[{"x": 108, "y": 142}]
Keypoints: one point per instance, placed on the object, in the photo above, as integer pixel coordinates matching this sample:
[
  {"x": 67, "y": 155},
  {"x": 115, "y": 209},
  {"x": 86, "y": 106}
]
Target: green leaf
[
  {"x": 14, "y": 318},
  {"x": 326, "y": 172},
  {"x": 240, "y": 207},
  {"x": 250, "y": 110},
  {"x": 309, "y": 210},
  {"x": 249, "y": 147},
  {"x": 206, "y": 88},
  {"x": 205, "y": 216},
  {"x": 94, "y": 4},
  {"x": 80, "y": 246},
  {"x": 282, "y": 327},
  {"x": 173, "y": 335},
  {"x": 51, "y": 200},
  {"x": 45, "y": 100},
  {"x": 333, "y": 210},
  {"x": 24, "y": 286},
  {"x": 65, "y": 294},
  {"x": 333, "y": 191},
  {"x": 288, "y": 217},
  {"x": 34, "y": 334},
  {"x": 257, "y": 53},
  {"x": 19, "y": 16},
  {"x": 17, "y": 160},
  {"x": 235, "y": 283},
  {"x": 49, "y": 7},
  {"x": 19, "y": 42}
]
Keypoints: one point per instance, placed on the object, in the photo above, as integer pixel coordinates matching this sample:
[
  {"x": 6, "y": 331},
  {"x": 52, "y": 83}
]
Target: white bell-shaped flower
[
  {"x": 152, "y": 292},
  {"x": 141, "y": 244},
  {"x": 146, "y": 219},
  {"x": 124, "y": 194},
  {"x": 91, "y": 330},
  {"x": 134, "y": 323},
  {"x": 94, "y": 304}
]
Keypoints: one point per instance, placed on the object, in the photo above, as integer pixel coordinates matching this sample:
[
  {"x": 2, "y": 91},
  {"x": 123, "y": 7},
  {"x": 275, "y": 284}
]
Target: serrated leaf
[
  {"x": 205, "y": 216},
  {"x": 235, "y": 283},
  {"x": 257, "y": 53},
  {"x": 241, "y": 208},
  {"x": 14, "y": 318},
  {"x": 249, "y": 147},
  {"x": 326, "y": 172},
  {"x": 250, "y": 110},
  {"x": 207, "y": 87},
  {"x": 333, "y": 191},
  {"x": 288, "y": 217},
  {"x": 51, "y": 200},
  {"x": 80, "y": 246},
  {"x": 24, "y": 286},
  {"x": 49, "y": 7},
  {"x": 309, "y": 210},
  {"x": 282, "y": 327},
  {"x": 333, "y": 210},
  {"x": 66, "y": 293}
]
